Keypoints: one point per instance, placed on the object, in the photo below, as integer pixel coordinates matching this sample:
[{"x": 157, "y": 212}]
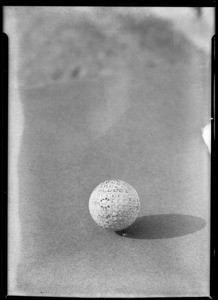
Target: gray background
[{"x": 107, "y": 96}]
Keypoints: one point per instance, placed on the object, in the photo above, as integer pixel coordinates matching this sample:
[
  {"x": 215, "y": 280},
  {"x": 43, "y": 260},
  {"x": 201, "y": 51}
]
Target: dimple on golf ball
[{"x": 114, "y": 204}]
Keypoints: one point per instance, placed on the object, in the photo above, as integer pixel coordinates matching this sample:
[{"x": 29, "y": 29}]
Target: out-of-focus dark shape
[
  {"x": 68, "y": 50},
  {"x": 198, "y": 11}
]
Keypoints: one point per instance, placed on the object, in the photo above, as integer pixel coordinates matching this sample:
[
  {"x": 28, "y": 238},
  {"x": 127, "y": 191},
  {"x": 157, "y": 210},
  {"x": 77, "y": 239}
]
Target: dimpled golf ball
[{"x": 114, "y": 205}]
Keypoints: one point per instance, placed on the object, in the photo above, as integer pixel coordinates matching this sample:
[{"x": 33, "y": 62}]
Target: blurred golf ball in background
[{"x": 114, "y": 204}]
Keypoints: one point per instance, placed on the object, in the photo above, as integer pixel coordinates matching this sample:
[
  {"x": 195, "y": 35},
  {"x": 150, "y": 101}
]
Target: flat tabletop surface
[{"x": 142, "y": 124}]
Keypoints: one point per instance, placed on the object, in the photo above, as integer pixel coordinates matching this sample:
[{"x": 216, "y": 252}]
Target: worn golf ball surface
[{"x": 114, "y": 204}]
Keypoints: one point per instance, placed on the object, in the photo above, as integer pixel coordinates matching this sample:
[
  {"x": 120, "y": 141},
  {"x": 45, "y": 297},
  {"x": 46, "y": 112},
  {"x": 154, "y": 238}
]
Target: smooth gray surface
[{"x": 141, "y": 124}]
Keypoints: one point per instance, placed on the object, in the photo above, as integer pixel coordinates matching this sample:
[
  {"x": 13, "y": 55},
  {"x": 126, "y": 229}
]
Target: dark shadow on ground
[{"x": 163, "y": 226}]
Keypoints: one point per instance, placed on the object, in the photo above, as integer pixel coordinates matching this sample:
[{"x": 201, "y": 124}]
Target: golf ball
[{"x": 114, "y": 204}]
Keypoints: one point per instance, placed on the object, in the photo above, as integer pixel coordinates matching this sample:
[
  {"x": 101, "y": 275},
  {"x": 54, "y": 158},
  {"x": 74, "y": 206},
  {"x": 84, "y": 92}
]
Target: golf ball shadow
[{"x": 163, "y": 226}]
